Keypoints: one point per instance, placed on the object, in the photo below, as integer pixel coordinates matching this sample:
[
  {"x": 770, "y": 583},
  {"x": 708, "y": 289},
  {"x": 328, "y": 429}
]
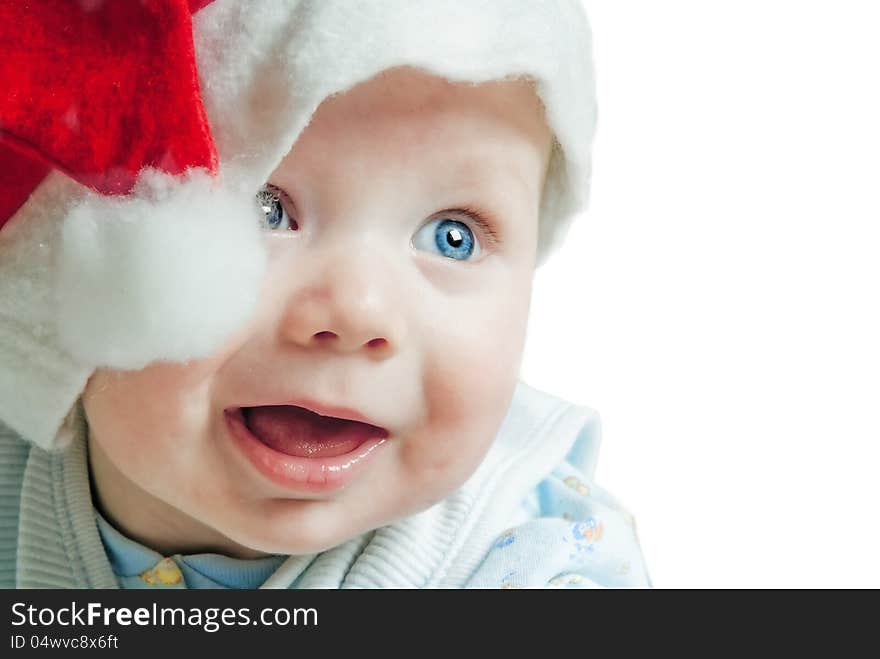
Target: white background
[{"x": 718, "y": 303}]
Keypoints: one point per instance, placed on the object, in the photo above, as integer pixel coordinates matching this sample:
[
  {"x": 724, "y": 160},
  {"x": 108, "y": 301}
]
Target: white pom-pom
[{"x": 168, "y": 272}]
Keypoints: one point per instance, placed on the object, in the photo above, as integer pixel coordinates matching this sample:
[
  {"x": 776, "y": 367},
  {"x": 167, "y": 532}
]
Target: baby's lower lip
[{"x": 300, "y": 450}]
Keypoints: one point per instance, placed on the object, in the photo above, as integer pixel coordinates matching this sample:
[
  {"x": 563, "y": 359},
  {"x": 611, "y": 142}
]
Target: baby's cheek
[
  {"x": 144, "y": 417},
  {"x": 467, "y": 391}
]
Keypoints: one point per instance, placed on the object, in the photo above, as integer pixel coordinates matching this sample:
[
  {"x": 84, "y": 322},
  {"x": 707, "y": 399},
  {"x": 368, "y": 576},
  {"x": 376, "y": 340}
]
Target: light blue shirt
[
  {"x": 136, "y": 566},
  {"x": 575, "y": 535}
]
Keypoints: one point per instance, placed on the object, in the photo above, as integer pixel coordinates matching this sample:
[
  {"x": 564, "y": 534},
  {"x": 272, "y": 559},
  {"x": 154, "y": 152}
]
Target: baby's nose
[{"x": 348, "y": 306}]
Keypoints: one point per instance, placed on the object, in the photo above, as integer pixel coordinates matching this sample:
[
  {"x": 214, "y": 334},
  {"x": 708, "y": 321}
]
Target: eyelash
[
  {"x": 280, "y": 192},
  {"x": 481, "y": 219}
]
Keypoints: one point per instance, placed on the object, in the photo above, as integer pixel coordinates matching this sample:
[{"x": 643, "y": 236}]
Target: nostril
[{"x": 330, "y": 339}]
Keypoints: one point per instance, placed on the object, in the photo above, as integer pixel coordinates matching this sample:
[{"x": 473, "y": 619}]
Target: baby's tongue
[{"x": 300, "y": 432}]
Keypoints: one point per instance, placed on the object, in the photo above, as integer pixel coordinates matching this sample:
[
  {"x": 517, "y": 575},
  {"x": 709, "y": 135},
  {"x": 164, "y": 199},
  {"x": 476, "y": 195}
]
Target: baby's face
[{"x": 401, "y": 251}]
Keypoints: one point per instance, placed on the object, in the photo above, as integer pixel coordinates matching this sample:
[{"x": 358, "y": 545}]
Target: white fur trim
[
  {"x": 39, "y": 381},
  {"x": 168, "y": 272}
]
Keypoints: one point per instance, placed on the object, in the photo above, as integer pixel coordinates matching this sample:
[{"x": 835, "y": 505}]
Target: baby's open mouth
[{"x": 300, "y": 432}]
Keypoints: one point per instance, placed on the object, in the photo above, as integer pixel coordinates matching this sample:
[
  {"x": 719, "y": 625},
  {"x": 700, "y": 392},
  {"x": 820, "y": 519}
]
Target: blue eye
[
  {"x": 272, "y": 213},
  {"x": 449, "y": 238}
]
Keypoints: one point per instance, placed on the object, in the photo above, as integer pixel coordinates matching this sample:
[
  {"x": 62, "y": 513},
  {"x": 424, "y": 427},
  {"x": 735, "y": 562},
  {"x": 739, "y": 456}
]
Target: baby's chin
[
  {"x": 288, "y": 534},
  {"x": 309, "y": 527},
  {"x": 248, "y": 543}
]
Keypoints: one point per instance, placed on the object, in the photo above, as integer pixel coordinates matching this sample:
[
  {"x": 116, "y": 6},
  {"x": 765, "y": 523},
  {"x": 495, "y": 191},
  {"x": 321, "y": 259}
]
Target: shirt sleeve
[{"x": 569, "y": 533}]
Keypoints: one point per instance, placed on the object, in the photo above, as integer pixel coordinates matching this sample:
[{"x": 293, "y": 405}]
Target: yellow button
[{"x": 165, "y": 573}]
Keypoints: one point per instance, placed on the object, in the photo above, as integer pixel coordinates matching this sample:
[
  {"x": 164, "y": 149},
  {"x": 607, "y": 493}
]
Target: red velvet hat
[{"x": 98, "y": 89}]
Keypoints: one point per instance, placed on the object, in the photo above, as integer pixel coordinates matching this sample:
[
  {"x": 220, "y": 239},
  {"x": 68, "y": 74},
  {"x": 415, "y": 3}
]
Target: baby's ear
[{"x": 167, "y": 272}]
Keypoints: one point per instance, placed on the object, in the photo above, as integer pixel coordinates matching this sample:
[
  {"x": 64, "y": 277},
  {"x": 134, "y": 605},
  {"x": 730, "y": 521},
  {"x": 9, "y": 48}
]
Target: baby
[{"x": 360, "y": 421}]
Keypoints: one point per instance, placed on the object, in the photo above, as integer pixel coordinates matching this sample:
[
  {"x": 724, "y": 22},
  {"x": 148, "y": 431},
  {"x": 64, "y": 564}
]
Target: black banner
[
  {"x": 246, "y": 620},
  {"x": 368, "y": 621}
]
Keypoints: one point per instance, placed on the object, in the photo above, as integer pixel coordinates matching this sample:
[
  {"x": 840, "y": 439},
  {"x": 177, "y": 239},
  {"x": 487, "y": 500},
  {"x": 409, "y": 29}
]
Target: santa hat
[{"x": 134, "y": 136}]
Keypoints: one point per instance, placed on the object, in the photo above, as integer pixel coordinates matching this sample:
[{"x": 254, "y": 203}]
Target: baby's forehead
[
  {"x": 410, "y": 98},
  {"x": 409, "y": 110}
]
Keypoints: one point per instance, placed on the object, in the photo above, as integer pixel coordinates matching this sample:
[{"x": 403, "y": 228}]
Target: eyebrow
[
  {"x": 480, "y": 169},
  {"x": 488, "y": 195}
]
